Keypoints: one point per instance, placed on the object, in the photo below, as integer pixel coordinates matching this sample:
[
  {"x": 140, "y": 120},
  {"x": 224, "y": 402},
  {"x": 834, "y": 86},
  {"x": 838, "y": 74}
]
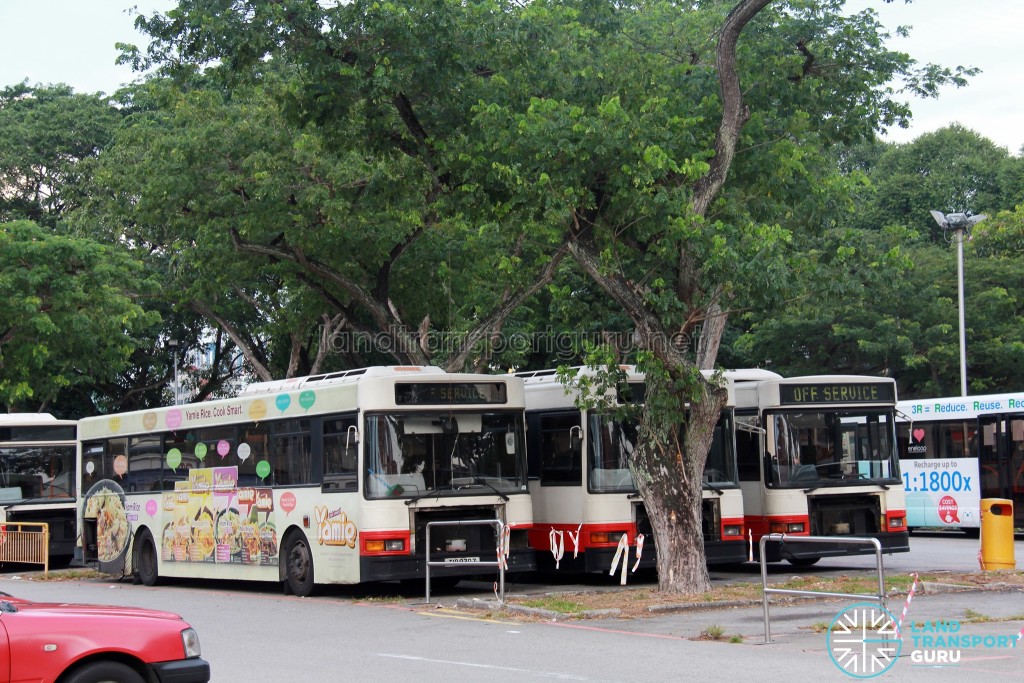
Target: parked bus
[
  {"x": 817, "y": 457},
  {"x": 956, "y": 451},
  {"x": 37, "y": 477},
  {"x": 583, "y": 490},
  {"x": 330, "y": 479}
]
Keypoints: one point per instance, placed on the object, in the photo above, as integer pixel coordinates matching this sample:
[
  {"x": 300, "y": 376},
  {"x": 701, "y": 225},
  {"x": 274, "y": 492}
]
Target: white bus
[
  {"x": 37, "y": 477},
  {"x": 817, "y": 457},
  {"x": 955, "y": 451},
  {"x": 583, "y": 490},
  {"x": 330, "y": 479}
]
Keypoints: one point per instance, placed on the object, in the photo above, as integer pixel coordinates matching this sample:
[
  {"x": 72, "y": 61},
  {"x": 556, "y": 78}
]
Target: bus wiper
[
  {"x": 483, "y": 482},
  {"x": 861, "y": 475},
  {"x": 709, "y": 485},
  {"x": 430, "y": 492}
]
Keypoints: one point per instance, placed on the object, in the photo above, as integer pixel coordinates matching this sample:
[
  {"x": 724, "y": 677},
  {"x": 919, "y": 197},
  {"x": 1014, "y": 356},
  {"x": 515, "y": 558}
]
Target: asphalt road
[{"x": 253, "y": 633}]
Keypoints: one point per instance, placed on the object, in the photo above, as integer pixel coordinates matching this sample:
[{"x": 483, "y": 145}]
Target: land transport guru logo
[{"x": 863, "y": 640}]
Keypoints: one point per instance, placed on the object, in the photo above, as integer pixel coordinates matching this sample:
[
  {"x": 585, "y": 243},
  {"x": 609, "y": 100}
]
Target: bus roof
[
  {"x": 29, "y": 418},
  {"x": 341, "y": 377}
]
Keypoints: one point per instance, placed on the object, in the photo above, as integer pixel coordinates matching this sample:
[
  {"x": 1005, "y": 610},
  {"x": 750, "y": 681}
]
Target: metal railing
[
  {"x": 26, "y": 543},
  {"x": 782, "y": 538},
  {"x": 499, "y": 560}
]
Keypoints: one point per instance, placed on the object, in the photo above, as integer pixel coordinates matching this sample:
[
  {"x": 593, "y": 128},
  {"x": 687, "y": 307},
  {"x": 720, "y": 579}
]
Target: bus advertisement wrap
[{"x": 942, "y": 493}]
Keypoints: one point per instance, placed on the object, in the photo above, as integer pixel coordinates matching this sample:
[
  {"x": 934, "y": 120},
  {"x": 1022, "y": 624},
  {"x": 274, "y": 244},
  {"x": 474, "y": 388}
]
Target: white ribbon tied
[
  {"x": 639, "y": 551},
  {"x": 557, "y": 540},
  {"x": 621, "y": 552}
]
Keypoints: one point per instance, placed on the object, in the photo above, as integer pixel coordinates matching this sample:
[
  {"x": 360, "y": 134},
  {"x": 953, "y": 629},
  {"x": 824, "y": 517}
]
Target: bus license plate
[{"x": 461, "y": 560}]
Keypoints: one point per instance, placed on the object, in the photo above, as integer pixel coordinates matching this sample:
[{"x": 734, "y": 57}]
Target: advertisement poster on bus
[{"x": 942, "y": 492}]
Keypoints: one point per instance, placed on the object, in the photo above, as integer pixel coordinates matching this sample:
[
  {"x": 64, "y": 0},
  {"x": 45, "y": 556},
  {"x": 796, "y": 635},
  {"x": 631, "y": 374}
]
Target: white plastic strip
[
  {"x": 575, "y": 538},
  {"x": 621, "y": 552},
  {"x": 557, "y": 540},
  {"x": 639, "y": 550}
]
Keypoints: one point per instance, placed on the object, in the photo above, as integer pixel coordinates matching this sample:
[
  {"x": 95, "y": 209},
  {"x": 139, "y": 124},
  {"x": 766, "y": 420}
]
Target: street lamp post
[
  {"x": 173, "y": 343},
  {"x": 961, "y": 224}
]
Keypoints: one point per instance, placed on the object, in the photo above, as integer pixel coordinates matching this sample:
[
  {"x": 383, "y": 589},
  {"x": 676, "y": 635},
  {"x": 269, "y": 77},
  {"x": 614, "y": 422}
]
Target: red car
[{"x": 46, "y": 642}]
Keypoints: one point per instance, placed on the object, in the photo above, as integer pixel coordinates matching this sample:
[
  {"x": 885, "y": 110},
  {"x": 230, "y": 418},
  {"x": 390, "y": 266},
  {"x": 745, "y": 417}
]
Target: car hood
[{"x": 66, "y": 609}]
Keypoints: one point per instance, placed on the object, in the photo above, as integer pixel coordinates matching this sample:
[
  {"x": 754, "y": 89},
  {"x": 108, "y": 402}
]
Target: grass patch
[
  {"x": 70, "y": 575},
  {"x": 712, "y": 633},
  {"x": 555, "y": 604}
]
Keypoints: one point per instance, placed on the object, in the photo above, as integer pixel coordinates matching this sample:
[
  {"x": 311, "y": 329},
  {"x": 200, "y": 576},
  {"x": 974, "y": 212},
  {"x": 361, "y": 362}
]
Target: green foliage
[
  {"x": 951, "y": 170},
  {"x": 47, "y": 136},
  {"x": 69, "y": 311}
]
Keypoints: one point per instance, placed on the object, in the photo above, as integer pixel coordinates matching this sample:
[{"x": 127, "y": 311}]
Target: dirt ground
[{"x": 645, "y": 601}]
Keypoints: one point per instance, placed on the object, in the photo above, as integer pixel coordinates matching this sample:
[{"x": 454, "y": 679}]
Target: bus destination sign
[
  {"x": 874, "y": 392},
  {"x": 438, "y": 393}
]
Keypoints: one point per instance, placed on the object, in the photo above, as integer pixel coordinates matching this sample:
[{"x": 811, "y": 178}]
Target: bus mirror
[
  {"x": 449, "y": 425},
  {"x": 576, "y": 440}
]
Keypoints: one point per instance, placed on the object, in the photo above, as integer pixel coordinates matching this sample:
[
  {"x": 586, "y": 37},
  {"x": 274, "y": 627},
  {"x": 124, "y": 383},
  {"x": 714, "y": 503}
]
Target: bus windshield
[
  {"x": 611, "y": 445},
  {"x": 37, "y": 472},
  {"x": 830, "y": 448},
  {"x": 409, "y": 454}
]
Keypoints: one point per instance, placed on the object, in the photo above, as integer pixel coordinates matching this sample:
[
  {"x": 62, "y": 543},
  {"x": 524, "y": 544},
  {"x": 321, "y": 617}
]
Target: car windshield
[{"x": 409, "y": 454}]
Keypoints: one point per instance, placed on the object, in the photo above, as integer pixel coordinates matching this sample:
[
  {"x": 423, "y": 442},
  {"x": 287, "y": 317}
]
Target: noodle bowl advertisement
[{"x": 105, "y": 503}]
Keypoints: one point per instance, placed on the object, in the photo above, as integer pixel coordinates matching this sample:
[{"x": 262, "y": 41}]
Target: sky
[{"x": 72, "y": 41}]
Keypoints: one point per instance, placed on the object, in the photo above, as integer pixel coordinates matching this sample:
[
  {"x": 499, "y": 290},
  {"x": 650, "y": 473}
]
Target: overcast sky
[{"x": 72, "y": 41}]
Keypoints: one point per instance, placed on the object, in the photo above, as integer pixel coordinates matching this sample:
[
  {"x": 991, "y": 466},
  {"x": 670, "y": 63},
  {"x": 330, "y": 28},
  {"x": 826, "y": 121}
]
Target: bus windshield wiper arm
[
  {"x": 860, "y": 475},
  {"x": 712, "y": 487},
  {"x": 483, "y": 482},
  {"x": 430, "y": 492}
]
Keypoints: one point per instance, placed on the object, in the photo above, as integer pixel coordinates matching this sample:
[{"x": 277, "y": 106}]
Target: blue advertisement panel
[{"x": 942, "y": 492}]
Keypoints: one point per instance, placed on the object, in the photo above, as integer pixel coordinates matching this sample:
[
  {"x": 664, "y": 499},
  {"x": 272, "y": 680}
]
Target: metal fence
[
  {"x": 783, "y": 538},
  {"x": 25, "y": 543},
  {"x": 498, "y": 562}
]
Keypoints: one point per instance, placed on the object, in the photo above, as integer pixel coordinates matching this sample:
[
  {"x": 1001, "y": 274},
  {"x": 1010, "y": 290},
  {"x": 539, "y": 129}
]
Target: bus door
[
  {"x": 992, "y": 464},
  {"x": 1015, "y": 461}
]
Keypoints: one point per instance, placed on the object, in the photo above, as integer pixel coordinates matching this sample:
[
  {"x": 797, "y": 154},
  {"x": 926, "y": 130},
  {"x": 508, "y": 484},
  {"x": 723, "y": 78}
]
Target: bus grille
[{"x": 847, "y": 515}]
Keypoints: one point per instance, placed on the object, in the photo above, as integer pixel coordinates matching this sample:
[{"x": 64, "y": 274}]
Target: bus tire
[
  {"x": 298, "y": 565},
  {"x": 145, "y": 559},
  {"x": 104, "y": 672},
  {"x": 803, "y": 561}
]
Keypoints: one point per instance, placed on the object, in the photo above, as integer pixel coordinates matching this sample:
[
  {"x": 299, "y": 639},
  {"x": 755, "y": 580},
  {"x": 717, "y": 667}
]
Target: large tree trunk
[{"x": 668, "y": 472}]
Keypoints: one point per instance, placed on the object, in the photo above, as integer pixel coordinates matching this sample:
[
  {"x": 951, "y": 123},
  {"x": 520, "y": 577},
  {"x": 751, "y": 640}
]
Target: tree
[
  {"x": 46, "y": 133},
  {"x": 70, "y": 314},
  {"x": 950, "y": 170},
  {"x": 649, "y": 140}
]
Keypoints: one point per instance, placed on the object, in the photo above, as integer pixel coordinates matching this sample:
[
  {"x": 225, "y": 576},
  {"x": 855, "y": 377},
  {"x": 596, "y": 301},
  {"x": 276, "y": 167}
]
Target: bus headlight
[
  {"x": 384, "y": 545},
  {"x": 897, "y": 523},
  {"x": 732, "y": 530},
  {"x": 787, "y": 527},
  {"x": 605, "y": 536}
]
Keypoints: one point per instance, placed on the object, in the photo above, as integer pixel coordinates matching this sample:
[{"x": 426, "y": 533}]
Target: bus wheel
[
  {"x": 145, "y": 560},
  {"x": 803, "y": 561},
  {"x": 298, "y": 565}
]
